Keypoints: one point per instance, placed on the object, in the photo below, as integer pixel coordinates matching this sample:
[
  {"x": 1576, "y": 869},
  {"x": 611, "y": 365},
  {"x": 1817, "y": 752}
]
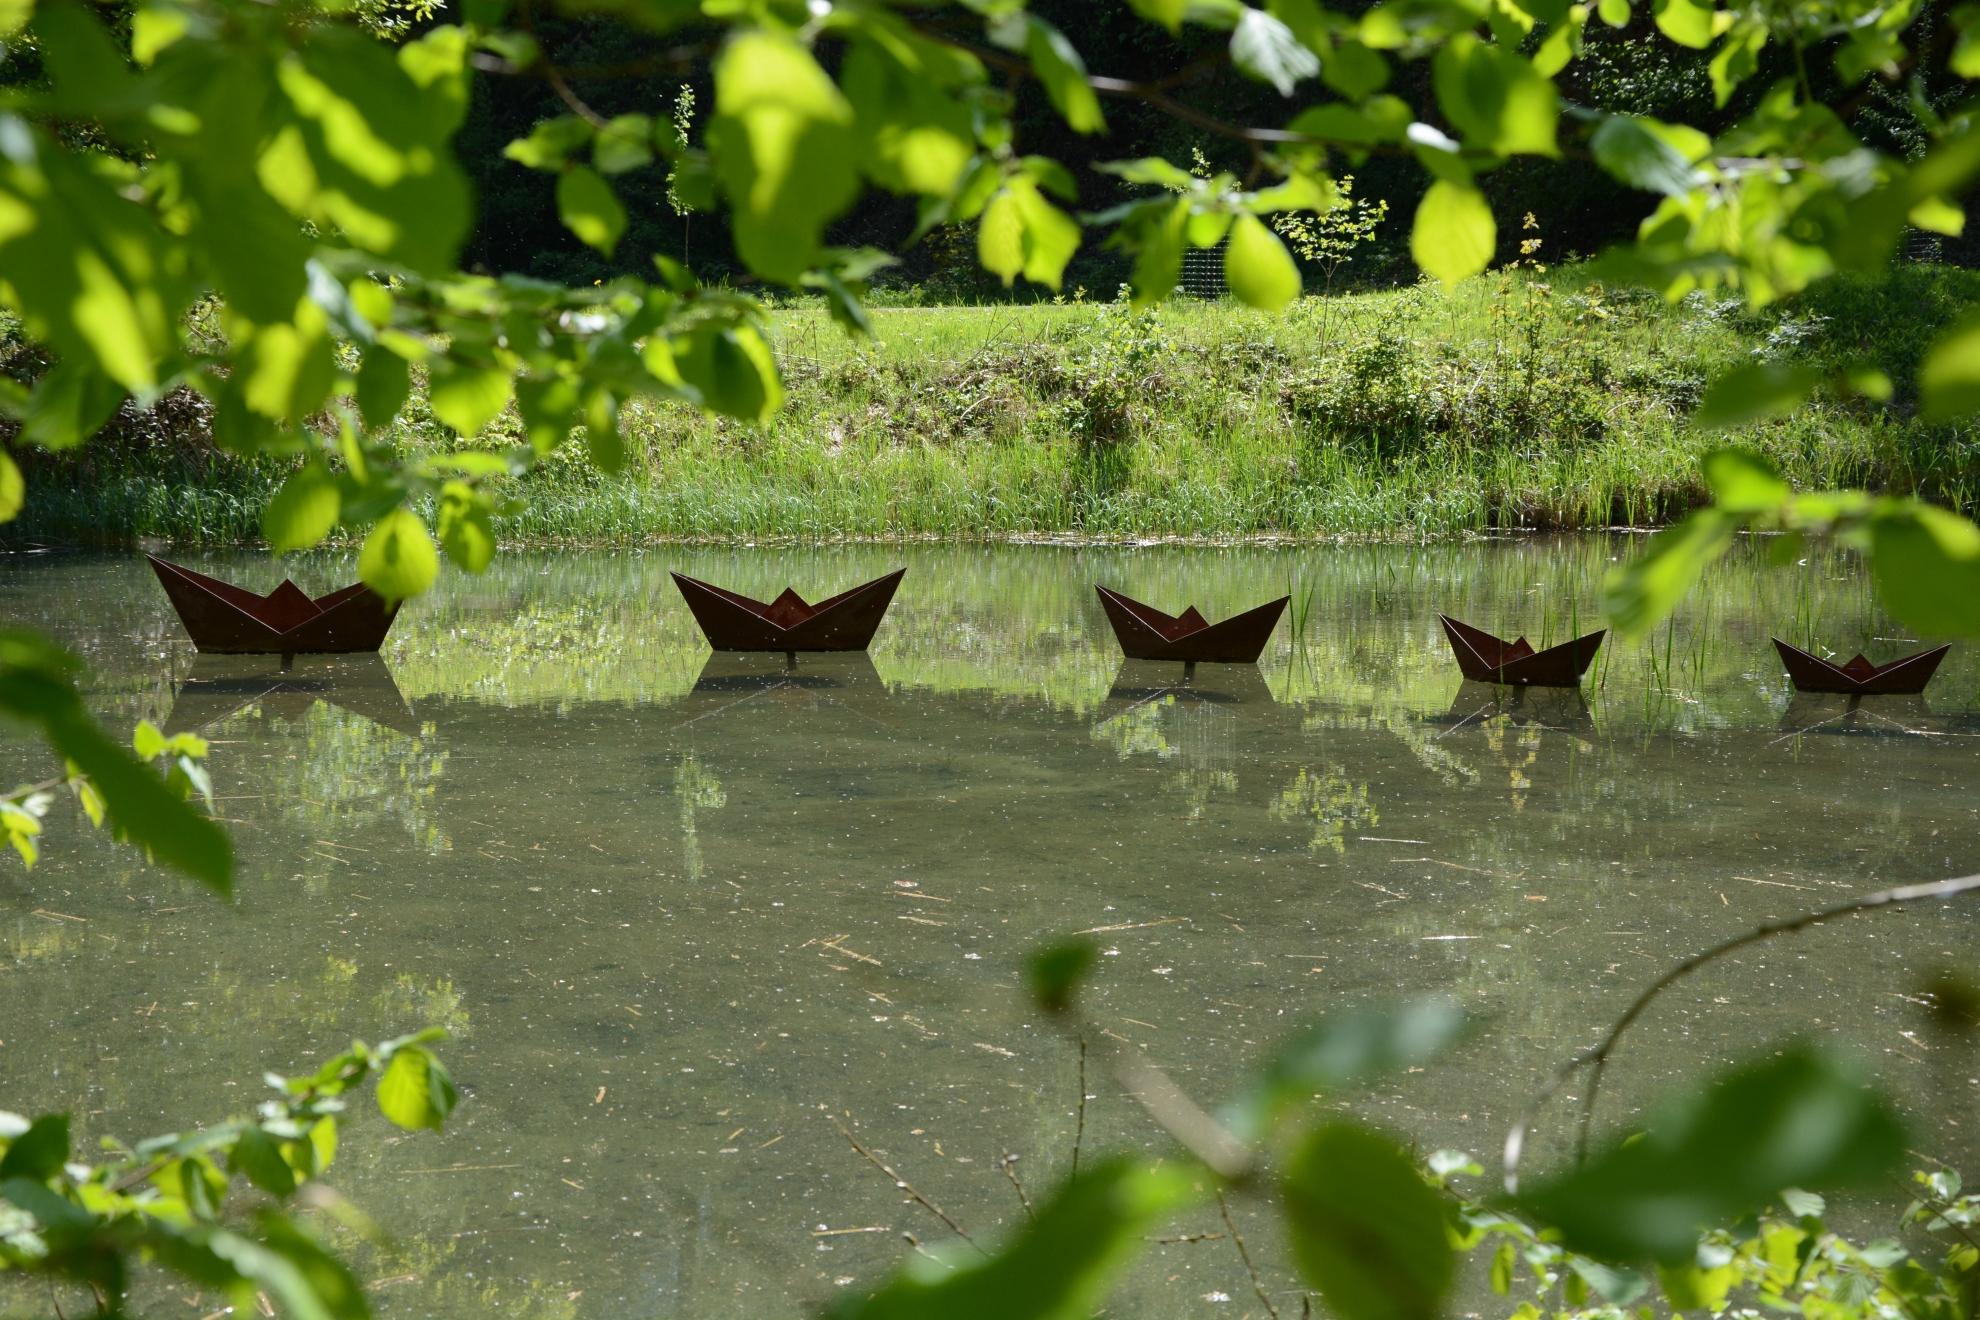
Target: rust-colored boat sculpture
[
  {"x": 1488, "y": 659},
  {"x": 1146, "y": 633},
  {"x": 845, "y": 622},
  {"x": 230, "y": 620},
  {"x": 1906, "y": 677}
]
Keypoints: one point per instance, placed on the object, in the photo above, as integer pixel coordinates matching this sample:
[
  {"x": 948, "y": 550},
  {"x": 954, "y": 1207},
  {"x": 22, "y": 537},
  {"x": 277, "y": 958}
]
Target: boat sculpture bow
[
  {"x": 1488, "y": 659},
  {"x": 845, "y": 622},
  {"x": 1906, "y": 677},
  {"x": 1146, "y": 633},
  {"x": 230, "y": 620}
]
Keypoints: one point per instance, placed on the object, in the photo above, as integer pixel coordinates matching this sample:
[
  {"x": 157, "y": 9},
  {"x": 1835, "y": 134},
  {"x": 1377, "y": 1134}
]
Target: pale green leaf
[
  {"x": 1744, "y": 482},
  {"x": 1059, "y": 67},
  {"x": 1640, "y": 594},
  {"x": 1939, "y": 216},
  {"x": 1257, "y": 266},
  {"x": 398, "y": 559},
  {"x": 1685, "y": 22},
  {"x": 1454, "y": 233},
  {"x": 1267, "y": 49},
  {"x": 13, "y": 490},
  {"x": 1927, "y": 565},
  {"x": 467, "y": 528},
  {"x": 1749, "y": 393},
  {"x": 303, "y": 511},
  {"x": 416, "y": 1090},
  {"x": 1949, "y": 381},
  {"x": 468, "y": 398},
  {"x": 590, "y": 209}
]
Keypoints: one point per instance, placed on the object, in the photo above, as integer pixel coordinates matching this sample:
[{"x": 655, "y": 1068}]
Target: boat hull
[
  {"x": 228, "y": 620},
  {"x": 1145, "y": 633}
]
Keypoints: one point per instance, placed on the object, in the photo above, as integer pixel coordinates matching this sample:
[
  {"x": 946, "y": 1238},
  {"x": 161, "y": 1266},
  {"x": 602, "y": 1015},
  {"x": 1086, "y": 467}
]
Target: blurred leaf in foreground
[{"x": 1367, "y": 1229}]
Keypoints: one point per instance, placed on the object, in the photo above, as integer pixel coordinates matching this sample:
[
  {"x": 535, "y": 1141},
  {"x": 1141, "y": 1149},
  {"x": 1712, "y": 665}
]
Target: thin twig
[
  {"x": 1597, "y": 1055},
  {"x": 902, "y": 1183},
  {"x": 1237, "y": 1237},
  {"x": 1009, "y": 1165},
  {"x": 1079, "y": 1133},
  {"x": 1187, "y": 1237}
]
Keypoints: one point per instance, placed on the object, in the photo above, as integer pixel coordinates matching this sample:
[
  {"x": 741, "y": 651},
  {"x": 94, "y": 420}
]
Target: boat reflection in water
[
  {"x": 839, "y": 678},
  {"x": 220, "y": 685},
  {"x": 1562, "y": 708},
  {"x": 1834, "y": 712},
  {"x": 1138, "y": 681}
]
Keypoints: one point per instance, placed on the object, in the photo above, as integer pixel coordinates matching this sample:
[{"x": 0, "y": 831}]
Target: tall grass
[{"x": 1528, "y": 400}]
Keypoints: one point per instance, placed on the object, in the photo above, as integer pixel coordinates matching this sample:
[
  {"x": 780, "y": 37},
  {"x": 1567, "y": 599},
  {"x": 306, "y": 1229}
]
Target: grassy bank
[{"x": 1529, "y": 400}]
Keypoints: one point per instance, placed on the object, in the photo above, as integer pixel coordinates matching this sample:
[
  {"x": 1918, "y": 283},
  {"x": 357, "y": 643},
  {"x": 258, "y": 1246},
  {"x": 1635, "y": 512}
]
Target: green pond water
[{"x": 680, "y": 913}]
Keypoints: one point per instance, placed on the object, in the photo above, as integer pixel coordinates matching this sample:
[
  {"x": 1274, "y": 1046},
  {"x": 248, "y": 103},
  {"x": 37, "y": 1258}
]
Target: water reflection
[
  {"x": 1835, "y": 713},
  {"x": 217, "y": 686},
  {"x": 671, "y": 906}
]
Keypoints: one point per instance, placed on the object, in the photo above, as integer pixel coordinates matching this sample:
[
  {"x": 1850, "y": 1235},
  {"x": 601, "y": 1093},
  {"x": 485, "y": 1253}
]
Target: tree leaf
[
  {"x": 1054, "y": 973},
  {"x": 1927, "y": 565},
  {"x": 1063, "y": 73},
  {"x": 13, "y": 488},
  {"x": 334, "y": 1288},
  {"x": 1266, "y": 48},
  {"x": 303, "y": 511},
  {"x": 1454, "y": 233},
  {"x": 732, "y": 368},
  {"x": 1058, "y": 1268},
  {"x": 1257, "y": 266},
  {"x": 398, "y": 559},
  {"x": 1367, "y": 1230},
  {"x": 624, "y": 144},
  {"x": 467, "y": 528},
  {"x": 1684, "y": 22},
  {"x": 1798, "y": 1120},
  {"x": 1949, "y": 380},
  {"x": 590, "y": 209},
  {"x": 550, "y": 144},
  {"x": 468, "y": 398},
  {"x": 1646, "y": 154},
  {"x": 384, "y": 382},
  {"x": 1495, "y": 98},
  {"x": 1354, "y": 70},
  {"x": 1749, "y": 393},
  {"x": 1022, "y": 233},
  {"x": 1744, "y": 482},
  {"x": 601, "y": 433},
  {"x": 1341, "y": 1051},
  {"x": 416, "y": 1091},
  {"x": 40, "y": 1152},
  {"x": 256, "y": 1155},
  {"x": 1640, "y": 594}
]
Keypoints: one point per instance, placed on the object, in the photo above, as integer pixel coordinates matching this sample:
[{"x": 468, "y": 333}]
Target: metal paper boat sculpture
[
  {"x": 1146, "y": 633},
  {"x": 845, "y": 622},
  {"x": 1488, "y": 659},
  {"x": 1811, "y": 673},
  {"x": 230, "y": 620}
]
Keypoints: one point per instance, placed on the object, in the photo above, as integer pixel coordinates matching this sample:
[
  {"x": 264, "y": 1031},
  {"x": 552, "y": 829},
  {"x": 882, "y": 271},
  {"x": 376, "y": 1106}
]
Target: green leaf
[
  {"x": 1454, "y": 234},
  {"x": 1022, "y": 233},
  {"x": 1266, "y": 48},
  {"x": 256, "y": 1155},
  {"x": 1949, "y": 380},
  {"x": 1340, "y": 1052},
  {"x": 416, "y": 1091},
  {"x": 13, "y": 488},
  {"x": 1798, "y": 1120},
  {"x": 550, "y": 144},
  {"x": 1354, "y": 70},
  {"x": 1639, "y": 595},
  {"x": 1504, "y": 1261},
  {"x": 590, "y": 209},
  {"x": 40, "y": 1152},
  {"x": 1686, "y": 23},
  {"x": 1749, "y": 393},
  {"x": 602, "y": 439},
  {"x": 1058, "y": 1268},
  {"x": 1646, "y": 154},
  {"x": 1257, "y": 266},
  {"x": 467, "y": 529},
  {"x": 1379, "y": 119},
  {"x": 784, "y": 149},
  {"x": 398, "y": 559},
  {"x": 623, "y": 144},
  {"x": 1054, "y": 973},
  {"x": 1367, "y": 1230},
  {"x": 1687, "y": 1287},
  {"x": 1563, "y": 44},
  {"x": 1744, "y": 482},
  {"x": 1169, "y": 13},
  {"x": 1615, "y": 13},
  {"x": 1063, "y": 73},
  {"x": 732, "y": 368},
  {"x": 1927, "y": 565},
  {"x": 549, "y": 409},
  {"x": 1495, "y": 98},
  {"x": 384, "y": 382},
  {"x": 69, "y": 404},
  {"x": 914, "y": 136},
  {"x": 33, "y": 688},
  {"x": 303, "y": 511},
  {"x": 1736, "y": 59},
  {"x": 332, "y": 1286},
  {"x": 468, "y": 398}
]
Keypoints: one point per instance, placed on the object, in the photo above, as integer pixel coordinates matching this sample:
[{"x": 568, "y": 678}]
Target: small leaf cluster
[{"x": 173, "y": 1201}]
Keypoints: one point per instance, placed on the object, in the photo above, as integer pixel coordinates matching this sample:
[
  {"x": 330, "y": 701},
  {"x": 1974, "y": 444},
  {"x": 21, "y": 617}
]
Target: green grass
[{"x": 1529, "y": 400}]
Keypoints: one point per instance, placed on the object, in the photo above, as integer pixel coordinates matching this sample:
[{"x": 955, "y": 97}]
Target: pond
[{"x": 682, "y": 913}]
